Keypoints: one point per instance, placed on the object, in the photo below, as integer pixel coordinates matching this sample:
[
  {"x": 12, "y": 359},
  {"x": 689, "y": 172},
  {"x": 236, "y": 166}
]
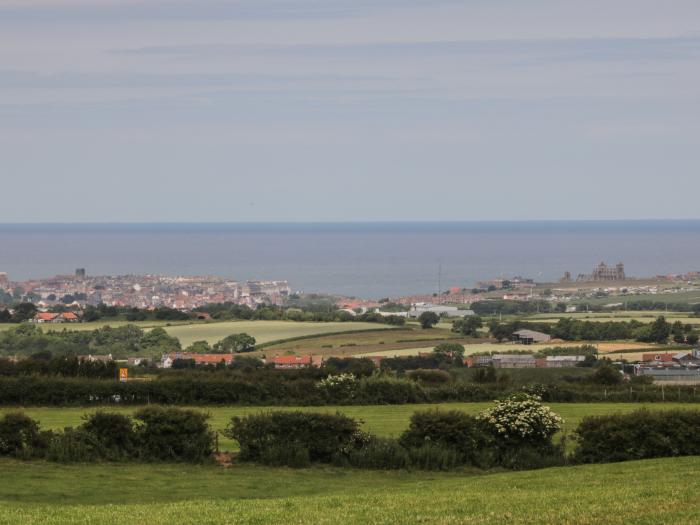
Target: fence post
[
  {"x": 663, "y": 393},
  {"x": 605, "y": 393}
]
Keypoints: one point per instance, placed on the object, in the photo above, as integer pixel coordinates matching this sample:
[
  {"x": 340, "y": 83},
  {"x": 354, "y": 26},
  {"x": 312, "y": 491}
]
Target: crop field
[
  {"x": 263, "y": 331},
  {"x": 383, "y": 420},
  {"x": 662, "y": 491},
  {"x": 504, "y": 348},
  {"x": 626, "y": 316},
  {"x": 347, "y": 344}
]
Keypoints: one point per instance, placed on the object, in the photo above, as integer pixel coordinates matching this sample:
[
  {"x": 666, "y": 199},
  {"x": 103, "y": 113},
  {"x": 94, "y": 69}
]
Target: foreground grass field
[
  {"x": 383, "y": 420},
  {"x": 644, "y": 492}
]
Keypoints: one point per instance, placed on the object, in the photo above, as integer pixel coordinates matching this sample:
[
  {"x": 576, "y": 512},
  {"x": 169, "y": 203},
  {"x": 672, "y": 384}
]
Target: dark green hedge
[
  {"x": 639, "y": 435},
  {"x": 56, "y": 391}
]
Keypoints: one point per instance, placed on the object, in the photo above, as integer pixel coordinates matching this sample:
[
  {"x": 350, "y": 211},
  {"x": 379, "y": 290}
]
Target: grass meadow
[
  {"x": 641, "y": 492},
  {"x": 383, "y": 420}
]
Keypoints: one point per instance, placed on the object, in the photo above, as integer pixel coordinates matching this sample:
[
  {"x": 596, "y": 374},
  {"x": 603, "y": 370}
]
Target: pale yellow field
[
  {"x": 603, "y": 348},
  {"x": 263, "y": 331}
]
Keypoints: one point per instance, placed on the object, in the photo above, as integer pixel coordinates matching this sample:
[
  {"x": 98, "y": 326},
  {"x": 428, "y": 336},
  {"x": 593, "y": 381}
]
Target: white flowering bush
[
  {"x": 339, "y": 386},
  {"x": 521, "y": 418}
]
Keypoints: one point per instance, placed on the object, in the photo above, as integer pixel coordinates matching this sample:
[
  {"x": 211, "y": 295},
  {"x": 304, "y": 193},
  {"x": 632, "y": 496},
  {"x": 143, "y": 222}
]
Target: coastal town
[{"x": 142, "y": 291}]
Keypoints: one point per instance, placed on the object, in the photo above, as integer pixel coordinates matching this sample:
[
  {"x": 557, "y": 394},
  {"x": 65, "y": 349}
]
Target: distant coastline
[{"x": 364, "y": 259}]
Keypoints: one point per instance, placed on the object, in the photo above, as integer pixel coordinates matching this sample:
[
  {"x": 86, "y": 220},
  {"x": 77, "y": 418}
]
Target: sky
[{"x": 348, "y": 110}]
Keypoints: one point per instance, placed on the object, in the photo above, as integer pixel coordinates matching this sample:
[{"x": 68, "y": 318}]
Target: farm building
[
  {"x": 563, "y": 361},
  {"x": 527, "y": 337},
  {"x": 514, "y": 361},
  {"x": 199, "y": 359},
  {"x": 449, "y": 311},
  {"x": 90, "y": 358},
  {"x": 296, "y": 361}
]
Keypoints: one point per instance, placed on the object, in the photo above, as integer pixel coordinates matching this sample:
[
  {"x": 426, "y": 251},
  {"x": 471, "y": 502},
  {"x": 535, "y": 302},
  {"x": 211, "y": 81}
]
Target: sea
[{"x": 368, "y": 259}]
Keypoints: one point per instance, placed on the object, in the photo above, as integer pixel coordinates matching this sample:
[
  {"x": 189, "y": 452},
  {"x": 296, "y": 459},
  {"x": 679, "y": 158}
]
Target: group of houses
[
  {"x": 52, "y": 317},
  {"x": 279, "y": 362},
  {"x": 523, "y": 361},
  {"x": 679, "y": 367}
]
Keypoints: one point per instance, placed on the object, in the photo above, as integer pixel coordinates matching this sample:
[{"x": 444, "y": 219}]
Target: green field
[
  {"x": 263, "y": 331},
  {"x": 642, "y": 492},
  {"x": 626, "y": 316},
  {"x": 384, "y": 420}
]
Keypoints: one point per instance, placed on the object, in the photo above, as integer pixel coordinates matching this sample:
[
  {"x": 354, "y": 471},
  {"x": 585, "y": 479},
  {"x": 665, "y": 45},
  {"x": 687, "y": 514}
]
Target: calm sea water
[{"x": 366, "y": 260}]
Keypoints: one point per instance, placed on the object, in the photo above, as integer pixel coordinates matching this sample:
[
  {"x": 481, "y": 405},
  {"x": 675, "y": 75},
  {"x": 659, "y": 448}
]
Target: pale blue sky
[{"x": 256, "y": 110}]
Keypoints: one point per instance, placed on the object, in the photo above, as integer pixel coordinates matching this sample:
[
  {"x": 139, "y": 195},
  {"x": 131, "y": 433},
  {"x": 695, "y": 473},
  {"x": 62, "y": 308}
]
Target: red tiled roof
[
  {"x": 45, "y": 316},
  {"x": 292, "y": 360},
  {"x": 660, "y": 358},
  {"x": 203, "y": 359}
]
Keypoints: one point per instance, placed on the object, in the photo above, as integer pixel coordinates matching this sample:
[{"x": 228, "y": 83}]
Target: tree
[
  {"x": 235, "y": 344},
  {"x": 692, "y": 339},
  {"x": 452, "y": 351},
  {"x": 660, "y": 330},
  {"x": 469, "y": 326},
  {"x": 606, "y": 375},
  {"x": 199, "y": 347},
  {"x": 428, "y": 320},
  {"x": 24, "y": 312}
]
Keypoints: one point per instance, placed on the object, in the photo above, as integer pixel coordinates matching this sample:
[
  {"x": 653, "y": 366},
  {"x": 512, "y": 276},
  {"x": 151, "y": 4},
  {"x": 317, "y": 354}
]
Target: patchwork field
[
  {"x": 642, "y": 492},
  {"x": 626, "y": 316},
  {"x": 383, "y": 420},
  {"x": 348, "y": 344},
  {"x": 263, "y": 331},
  {"x": 504, "y": 348}
]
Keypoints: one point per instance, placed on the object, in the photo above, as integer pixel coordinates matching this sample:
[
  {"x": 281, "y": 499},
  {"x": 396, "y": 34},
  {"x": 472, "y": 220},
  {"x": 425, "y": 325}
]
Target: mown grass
[
  {"x": 383, "y": 420},
  {"x": 643, "y": 492}
]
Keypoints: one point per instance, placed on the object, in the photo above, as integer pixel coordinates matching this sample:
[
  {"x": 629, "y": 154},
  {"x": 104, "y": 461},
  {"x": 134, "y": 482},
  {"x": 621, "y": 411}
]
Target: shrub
[
  {"x": 114, "y": 434},
  {"x": 341, "y": 387},
  {"x": 20, "y": 436},
  {"x": 641, "y": 434},
  {"x": 174, "y": 434},
  {"x": 281, "y": 455},
  {"x": 428, "y": 376},
  {"x": 520, "y": 420},
  {"x": 453, "y": 430},
  {"x": 323, "y": 435},
  {"x": 74, "y": 446},
  {"x": 434, "y": 457},
  {"x": 377, "y": 453}
]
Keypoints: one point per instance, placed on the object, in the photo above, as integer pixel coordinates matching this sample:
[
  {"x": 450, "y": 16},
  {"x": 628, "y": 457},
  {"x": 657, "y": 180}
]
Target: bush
[
  {"x": 20, "y": 436},
  {"x": 280, "y": 455},
  {"x": 452, "y": 430},
  {"x": 521, "y": 421},
  {"x": 172, "y": 434},
  {"x": 322, "y": 435},
  {"x": 377, "y": 453},
  {"x": 434, "y": 457},
  {"x": 113, "y": 433},
  {"x": 639, "y": 435},
  {"x": 428, "y": 376},
  {"x": 74, "y": 446}
]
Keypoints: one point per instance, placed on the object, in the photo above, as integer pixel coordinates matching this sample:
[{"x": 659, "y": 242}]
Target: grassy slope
[
  {"x": 263, "y": 331},
  {"x": 385, "y": 420},
  {"x": 645, "y": 492}
]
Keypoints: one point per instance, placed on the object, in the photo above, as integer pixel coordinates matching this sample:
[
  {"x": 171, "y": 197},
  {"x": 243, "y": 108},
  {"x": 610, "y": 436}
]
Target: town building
[{"x": 603, "y": 272}]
